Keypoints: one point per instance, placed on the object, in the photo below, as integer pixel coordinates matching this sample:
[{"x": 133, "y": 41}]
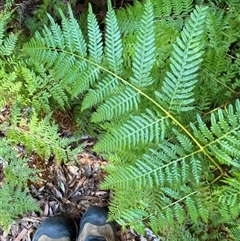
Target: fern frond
[
  {"x": 192, "y": 209},
  {"x": 95, "y": 45},
  {"x": 72, "y": 34},
  {"x": 7, "y": 5},
  {"x": 139, "y": 130},
  {"x": 144, "y": 49},
  {"x": 229, "y": 196},
  {"x": 172, "y": 8},
  {"x": 14, "y": 197},
  {"x": 59, "y": 95},
  {"x": 103, "y": 89},
  {"x": 171, "y": 165},
  {"x": 114, "y": 107},
  {"x": 58, "y": 49},
  {"x": 16, "y": 168},
  {"x": 113, "y": 42},
  {"x": 41, "y": 88},
  {"x": 84, "y": 81},
  {"x": 14, "y": 201},
  {"x": 183, "y": 7},
  {"x": 161, "y": 168},
  {"x": 177, "y": 89},
  {"x": 214, "y": 25},
  {"x": 9, "y": 87},
  {"x": 30, "y": 77},
  {"x": 221, "y": 139},
  {"x": 8, "y": 46},
  {"x": 40, "y": 136},
  {"x": 2, "y": 29}
]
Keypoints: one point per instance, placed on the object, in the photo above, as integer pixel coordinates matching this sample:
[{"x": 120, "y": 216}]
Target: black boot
[
  {"x": 94, "y": 226},
  {"x": 57, "y": 228}
]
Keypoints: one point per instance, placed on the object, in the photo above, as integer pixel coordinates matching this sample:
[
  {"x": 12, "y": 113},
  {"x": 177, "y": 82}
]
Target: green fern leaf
[
  {"x": 225, "y": 129},
  {"x": 114, "y": 107},
  {"x": 144, "y": 50},
  {"x": 177, "y": 89},
  {"x": 139, "y": 130},
  {"x": 8, "y": 46},
  {"x": 161, "y": 168},
  {"x": 196, "y": 169},
  {"x": 192, "y": 209},
  {"x": 14, "y": 201},
  {"x": 183, "y": 7},
  {"x": 113, "y": 42},
  {"x": 179, "y": 213},
  {"x": 41, "y": 102},
  {"x": 73, "y": 37},
  {"x": 59, "y": 95},
  {"x": 228, "y": 196},
  {"x": 203, "y": 211},
  {"x": 129, "y": 17},
  {"x": 37, "y": 136},
  {"x": 104, "y": 88},
  {"x": 95, "y": 45},
  {"x": 84, "y": 81},
  {"x": 60, "y": 49}
]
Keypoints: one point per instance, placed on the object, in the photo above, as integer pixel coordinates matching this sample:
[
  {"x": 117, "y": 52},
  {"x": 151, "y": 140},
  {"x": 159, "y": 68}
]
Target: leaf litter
[{"x": 67, "y": 188}]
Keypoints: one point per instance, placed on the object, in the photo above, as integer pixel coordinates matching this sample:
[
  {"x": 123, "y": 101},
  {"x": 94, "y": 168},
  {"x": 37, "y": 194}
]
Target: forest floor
[{"x": 66, "y": 188}]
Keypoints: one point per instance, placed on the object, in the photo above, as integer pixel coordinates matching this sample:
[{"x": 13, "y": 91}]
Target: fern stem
[
  {"x": 179, "y": 200},
  {"x": 232, "y": 57},
  {"x": 227, "y": 87},
  {"x": 201, "y": 148}
]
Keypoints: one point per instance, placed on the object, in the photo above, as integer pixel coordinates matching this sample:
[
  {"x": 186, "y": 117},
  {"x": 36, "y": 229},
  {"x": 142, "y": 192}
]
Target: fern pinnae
[
  {"x": 73, "y": 37},
  {"x": 30, "y": 77},
  {"x": 57, "y": 33},
  {"x": 114, "y": 107},
  {"x": 225, "y": 128},
  {"x": 144, "y": 50},
  {"x": 9, "y": 45},
  {"x": 59, "y": 96},
  {"x": 139, "y": 130},
  {"x": 65, "y": 65},
  {"x": 95, "y": 44},
  {"x": 2, "y": 29},
  {"x": 156, "y": 170},
  {"x": 202, "y": 210},
  {"x": 103, "y": 90},
  {"x": 192, "y": 209},
  {"x": 179, "y": 213},
  {"x": 113, "y": 42},
  {"x": 196, "y": 168},
  {"x": 85, "y": 80},
  {"x": 38, "y": 49},
  {"x": 95, "y": 48},
  {"x": 179, "y": 84}
]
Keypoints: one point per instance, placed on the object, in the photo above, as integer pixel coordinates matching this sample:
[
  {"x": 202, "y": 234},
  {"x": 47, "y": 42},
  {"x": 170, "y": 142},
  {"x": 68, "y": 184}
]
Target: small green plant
[
  {"x": 25, "y": 93},
  {"x": 14, "y": 192}
]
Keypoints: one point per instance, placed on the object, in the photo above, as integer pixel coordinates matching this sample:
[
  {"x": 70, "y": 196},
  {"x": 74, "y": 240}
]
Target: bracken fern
[{"x": 153, "y": 90}]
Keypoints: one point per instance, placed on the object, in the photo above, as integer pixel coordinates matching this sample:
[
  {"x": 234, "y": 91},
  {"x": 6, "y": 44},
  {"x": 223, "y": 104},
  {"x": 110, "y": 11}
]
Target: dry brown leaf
[{"x": 22, "y": 234}]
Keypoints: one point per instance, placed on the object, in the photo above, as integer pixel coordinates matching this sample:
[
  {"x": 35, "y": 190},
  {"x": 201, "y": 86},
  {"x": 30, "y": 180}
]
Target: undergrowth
[{"x": 161, "y": 89}]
